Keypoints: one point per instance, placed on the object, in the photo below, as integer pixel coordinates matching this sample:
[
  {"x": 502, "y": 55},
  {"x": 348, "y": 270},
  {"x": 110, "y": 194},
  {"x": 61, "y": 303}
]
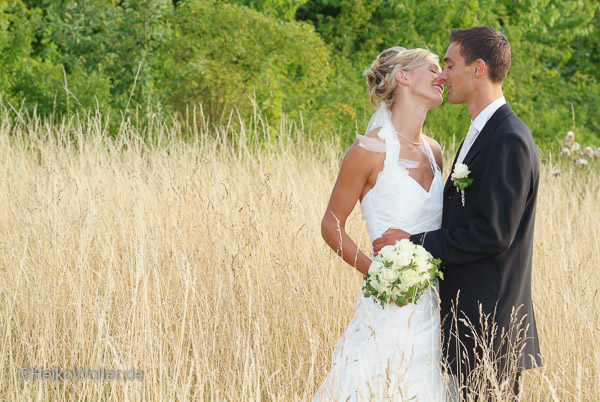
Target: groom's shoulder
[
  {"x": 512, "y": 125},
  {"x": 513, "y": 133},
  {"x": 514, "y": 120}
]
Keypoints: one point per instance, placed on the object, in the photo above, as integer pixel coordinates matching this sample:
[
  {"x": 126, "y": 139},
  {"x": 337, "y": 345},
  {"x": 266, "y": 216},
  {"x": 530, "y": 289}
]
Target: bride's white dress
[{"x": 392, "y": 353}]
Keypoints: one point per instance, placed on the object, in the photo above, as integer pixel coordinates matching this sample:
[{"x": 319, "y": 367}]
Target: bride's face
[{"x": 425, "y": 83}]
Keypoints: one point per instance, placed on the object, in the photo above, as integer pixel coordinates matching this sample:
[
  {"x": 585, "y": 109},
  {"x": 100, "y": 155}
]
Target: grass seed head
[
  {"x": 566, "y": 152},
  {"x": 589, "y": 152},
  {"x": 569, "y": 138}
]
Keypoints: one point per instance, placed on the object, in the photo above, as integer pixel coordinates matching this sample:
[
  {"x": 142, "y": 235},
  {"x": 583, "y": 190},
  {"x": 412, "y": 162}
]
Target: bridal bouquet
[{"x": 401, "y": 273}]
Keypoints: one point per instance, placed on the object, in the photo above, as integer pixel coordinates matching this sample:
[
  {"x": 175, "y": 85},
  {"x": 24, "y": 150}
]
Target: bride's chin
[{"x": 436, "y": 103}]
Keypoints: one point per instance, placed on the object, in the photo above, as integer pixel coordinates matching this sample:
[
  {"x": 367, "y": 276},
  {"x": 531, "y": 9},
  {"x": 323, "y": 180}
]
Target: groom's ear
[
  {"x": 479, "y": 68},
  {"x": 401, "y": 77}
]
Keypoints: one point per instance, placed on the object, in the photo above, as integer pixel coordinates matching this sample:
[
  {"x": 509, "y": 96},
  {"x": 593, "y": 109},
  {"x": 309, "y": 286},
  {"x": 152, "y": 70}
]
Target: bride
[{"x": 390, "y": 353}]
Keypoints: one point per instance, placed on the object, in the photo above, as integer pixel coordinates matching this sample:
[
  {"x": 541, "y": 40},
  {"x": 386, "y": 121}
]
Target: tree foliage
[
  {"x": 299, "y": 57},
  {"x": 554, "y": 46},
  {"x": 226, "y": 56}
]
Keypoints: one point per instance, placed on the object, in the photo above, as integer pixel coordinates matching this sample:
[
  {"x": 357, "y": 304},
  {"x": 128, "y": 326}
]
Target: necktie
[{"x": 469, "y": 139}]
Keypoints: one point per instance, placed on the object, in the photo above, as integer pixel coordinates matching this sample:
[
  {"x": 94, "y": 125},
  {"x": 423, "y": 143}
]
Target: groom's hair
[{"x": 487, "y": 44}]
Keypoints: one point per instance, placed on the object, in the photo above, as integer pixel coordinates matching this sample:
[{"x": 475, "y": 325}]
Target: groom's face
[{"x": 456, "y": 75}]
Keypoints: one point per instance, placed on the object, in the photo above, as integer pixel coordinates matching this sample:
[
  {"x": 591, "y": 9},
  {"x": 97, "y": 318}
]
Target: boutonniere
[{"x": 460, "y": 178}]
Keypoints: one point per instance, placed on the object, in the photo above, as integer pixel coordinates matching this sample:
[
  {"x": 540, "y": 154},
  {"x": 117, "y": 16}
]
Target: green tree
[
  {"x": 225, "y": 55},
  {"x": 105, "y": 47},
  {"x": 23, "y": 77},
  {"x": 551, "y": 43},
  {"x": 289, "y": 56},
  {"x": 281, "y": 9}
]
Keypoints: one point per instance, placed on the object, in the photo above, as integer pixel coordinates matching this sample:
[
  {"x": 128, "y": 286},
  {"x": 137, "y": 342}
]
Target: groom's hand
[{"x": 388, "y": 238}]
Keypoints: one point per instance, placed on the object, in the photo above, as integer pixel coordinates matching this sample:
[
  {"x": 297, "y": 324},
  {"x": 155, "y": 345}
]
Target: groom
[{"x": 486, "y": 238}]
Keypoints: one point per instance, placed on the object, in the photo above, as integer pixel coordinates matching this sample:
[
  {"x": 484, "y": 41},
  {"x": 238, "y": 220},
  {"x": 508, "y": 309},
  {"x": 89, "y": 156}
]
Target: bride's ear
[{"x": 401, "y": 77}]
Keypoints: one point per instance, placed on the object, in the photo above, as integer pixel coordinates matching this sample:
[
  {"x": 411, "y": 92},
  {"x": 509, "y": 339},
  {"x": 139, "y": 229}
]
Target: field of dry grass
[{"x": 200, "y": 264}]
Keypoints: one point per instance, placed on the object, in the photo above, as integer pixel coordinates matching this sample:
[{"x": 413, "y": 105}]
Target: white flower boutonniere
[{"x": 460, "y": 178}]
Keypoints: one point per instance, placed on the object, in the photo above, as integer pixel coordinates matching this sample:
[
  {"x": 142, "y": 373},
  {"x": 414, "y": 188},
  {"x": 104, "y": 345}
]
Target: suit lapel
[{"x": 487, "y": 132}]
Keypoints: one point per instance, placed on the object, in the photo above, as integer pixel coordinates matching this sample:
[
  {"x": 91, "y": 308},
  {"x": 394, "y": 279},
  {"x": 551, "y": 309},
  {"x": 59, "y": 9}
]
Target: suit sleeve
[{"x": 506, "y": 183}]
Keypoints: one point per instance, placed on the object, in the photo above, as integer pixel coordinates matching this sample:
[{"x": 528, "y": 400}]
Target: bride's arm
[{"x": 354, "y": 173}]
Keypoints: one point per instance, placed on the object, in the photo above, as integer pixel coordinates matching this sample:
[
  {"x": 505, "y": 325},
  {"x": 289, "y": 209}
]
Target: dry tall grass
[{"x": 201, "y": 264}]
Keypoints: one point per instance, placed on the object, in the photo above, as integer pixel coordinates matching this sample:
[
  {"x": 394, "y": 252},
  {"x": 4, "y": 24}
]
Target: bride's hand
[{"x": 388, "y": 238}]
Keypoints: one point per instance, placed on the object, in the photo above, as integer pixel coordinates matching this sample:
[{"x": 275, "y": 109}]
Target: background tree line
[{"x": 298, "y": 57}]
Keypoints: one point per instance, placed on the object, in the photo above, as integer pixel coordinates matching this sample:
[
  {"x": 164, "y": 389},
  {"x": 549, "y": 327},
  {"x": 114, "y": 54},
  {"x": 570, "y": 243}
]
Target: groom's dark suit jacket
[{"x": 486, "y": 248}]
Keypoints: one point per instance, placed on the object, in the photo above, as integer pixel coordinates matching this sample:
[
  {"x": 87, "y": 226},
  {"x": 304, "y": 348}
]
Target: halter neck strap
[
  {"x": 392, "y": 144},
  {"x": 432, "y": 161}
]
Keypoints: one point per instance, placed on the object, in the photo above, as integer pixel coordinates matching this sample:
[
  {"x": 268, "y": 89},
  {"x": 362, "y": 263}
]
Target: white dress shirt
[{"x": 477, "y": 125}]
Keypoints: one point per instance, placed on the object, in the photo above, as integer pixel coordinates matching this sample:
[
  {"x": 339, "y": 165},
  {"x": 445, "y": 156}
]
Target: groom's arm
[{"x": 502, "y": 197}]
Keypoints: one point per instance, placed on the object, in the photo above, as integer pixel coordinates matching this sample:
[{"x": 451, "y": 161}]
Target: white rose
[
  {"x": 381, "y": 280},
  {"x": 380, "y": 286},
  {"x": 423, "y": 264},
  {"x": 410, "y": 277},
  {"x": 405, "y": 246},
  {"x": 401, "y": 288},
  {"x": 461, "y": 171},
  {"x": 422, "y": 258},
  {"x": 387, "y": 253},
  {"x": 388, "y": 275},
  {"x": 425, "y": 276},
  {"x": 375, "y": 268},
  {"x": 403, "y": 259},
  {"x": 420, "y": 252}
]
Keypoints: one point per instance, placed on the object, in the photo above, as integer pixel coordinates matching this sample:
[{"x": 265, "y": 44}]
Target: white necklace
[{"x": 408, "y": 139}]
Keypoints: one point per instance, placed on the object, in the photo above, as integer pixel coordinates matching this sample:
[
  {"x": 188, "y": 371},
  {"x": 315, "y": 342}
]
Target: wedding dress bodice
[{"x": 397, "y": 200}]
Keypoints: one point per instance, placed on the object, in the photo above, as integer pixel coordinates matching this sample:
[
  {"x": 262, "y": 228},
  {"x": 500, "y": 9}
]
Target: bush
[{"x": 225, "y": 56}]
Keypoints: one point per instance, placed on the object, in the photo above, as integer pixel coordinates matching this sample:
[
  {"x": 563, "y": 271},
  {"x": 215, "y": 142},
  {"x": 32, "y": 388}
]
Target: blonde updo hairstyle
[{"x": 381, "y": 76}]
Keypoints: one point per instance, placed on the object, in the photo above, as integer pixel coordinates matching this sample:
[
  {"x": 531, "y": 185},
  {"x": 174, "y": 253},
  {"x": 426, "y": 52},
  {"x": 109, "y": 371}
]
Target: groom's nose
[{"x": 443, "y": 76}]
